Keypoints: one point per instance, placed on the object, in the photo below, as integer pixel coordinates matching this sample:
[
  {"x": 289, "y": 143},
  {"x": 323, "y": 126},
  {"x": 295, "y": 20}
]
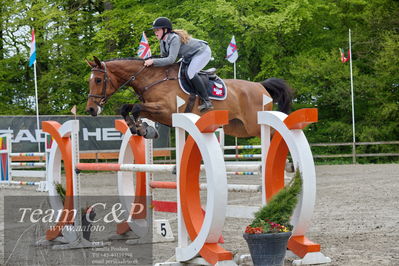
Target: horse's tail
[{"x": 281, "y": 93}]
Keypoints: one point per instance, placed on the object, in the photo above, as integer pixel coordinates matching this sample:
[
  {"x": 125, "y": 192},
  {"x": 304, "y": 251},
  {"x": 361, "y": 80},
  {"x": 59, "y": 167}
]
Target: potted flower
[{"x": 267, "y": 236}]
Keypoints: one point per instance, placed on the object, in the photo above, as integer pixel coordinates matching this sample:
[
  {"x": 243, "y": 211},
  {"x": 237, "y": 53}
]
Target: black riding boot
[{"x": 202, "y": 92}]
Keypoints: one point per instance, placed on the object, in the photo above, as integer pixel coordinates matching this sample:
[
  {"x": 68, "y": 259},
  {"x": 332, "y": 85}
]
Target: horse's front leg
[
  {"x": 124, "y": 111},
  {"x": 136, "y": 125},
  {"x": 143, "y": 128}
]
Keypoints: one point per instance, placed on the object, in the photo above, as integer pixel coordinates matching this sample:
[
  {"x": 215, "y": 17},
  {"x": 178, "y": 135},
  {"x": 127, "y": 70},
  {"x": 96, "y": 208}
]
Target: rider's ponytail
[{"x": 184, "y": 36}]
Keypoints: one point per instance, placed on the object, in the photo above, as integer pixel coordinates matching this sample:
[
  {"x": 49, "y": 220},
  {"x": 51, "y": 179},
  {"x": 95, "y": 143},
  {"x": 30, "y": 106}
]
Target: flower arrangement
[
  {"x": 275, "y": 216},
  {"x": 267, "y": 227}
]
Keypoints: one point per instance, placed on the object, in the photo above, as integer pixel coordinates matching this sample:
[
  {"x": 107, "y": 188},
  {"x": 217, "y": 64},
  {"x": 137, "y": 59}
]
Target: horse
[{"x": 157, "y": 88}]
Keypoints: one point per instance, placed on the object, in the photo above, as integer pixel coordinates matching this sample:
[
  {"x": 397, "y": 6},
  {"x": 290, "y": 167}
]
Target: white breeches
[{"x": 199, "y": 61}]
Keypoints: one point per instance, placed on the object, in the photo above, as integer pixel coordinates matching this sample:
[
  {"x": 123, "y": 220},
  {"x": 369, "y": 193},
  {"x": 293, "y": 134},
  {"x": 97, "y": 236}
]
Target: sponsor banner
[{"x": 96, "y": 133}]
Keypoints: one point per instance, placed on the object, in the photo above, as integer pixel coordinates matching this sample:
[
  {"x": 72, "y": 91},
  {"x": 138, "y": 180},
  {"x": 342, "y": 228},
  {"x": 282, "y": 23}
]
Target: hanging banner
[{"x": 96, "y": 133}]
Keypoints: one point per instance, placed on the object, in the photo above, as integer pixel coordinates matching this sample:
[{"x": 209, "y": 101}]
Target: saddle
[{"x": 217, "y": 89}]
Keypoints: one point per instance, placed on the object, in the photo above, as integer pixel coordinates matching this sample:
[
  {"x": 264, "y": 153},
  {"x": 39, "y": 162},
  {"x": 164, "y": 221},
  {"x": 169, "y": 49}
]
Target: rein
[
  {"x": 104, "y": 98},
  {"x": 160, "y": 81}
]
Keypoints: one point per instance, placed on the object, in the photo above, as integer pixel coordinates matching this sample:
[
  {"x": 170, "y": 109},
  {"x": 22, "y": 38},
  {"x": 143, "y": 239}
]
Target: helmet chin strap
[{"x": 165, "y": 31}]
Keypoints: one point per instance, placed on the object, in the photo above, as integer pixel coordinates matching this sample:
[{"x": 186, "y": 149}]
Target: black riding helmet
[{"x": 161, "y": 23}]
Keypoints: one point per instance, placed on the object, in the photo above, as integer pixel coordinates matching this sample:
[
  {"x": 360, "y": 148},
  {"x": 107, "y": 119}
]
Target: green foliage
[
  {"x": 280, "y": 208},
  {"x": 60, "y": 191},
  {"x": 294, "y": 40}
]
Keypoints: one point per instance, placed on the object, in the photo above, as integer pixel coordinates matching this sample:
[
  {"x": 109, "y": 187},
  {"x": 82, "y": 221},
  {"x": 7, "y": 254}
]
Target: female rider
[{"x": 178, "y": 43}]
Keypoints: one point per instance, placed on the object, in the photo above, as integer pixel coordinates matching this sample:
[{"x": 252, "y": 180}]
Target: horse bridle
[{"x": 104, "y": 98}]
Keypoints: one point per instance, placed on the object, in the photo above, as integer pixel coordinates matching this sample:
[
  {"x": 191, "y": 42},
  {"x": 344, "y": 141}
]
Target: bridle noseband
[{"x": 103, "y": 97}]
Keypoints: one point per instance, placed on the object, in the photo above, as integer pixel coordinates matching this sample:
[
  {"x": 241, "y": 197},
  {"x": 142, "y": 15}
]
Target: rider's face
[{"x": 158, "y": 33}]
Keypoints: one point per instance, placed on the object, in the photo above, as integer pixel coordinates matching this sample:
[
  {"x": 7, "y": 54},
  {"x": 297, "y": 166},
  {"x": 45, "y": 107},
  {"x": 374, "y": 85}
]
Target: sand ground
[{"x": 356, "y": 217}]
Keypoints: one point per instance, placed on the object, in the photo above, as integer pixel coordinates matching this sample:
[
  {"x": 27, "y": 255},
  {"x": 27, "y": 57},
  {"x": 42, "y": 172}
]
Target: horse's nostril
[{"x": 91, "y": 111}]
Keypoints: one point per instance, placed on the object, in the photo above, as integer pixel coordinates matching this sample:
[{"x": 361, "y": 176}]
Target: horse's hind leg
[{"x": 236, "y": 128}]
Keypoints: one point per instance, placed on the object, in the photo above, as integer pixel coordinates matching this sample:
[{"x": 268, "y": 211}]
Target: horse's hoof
[
  {"x": 133, "y": 131},
  {"x": 142, "y": 132},
  {"x": 142, "y": 129},
  {"x": 151, "y": 133}
]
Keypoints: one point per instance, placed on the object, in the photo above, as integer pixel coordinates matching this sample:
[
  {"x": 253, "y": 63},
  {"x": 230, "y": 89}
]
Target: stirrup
[{"x": 206, "y": 105}]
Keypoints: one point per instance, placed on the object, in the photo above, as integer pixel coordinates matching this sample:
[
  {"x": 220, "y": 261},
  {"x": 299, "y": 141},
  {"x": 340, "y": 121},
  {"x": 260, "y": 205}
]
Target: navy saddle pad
[{"x": 217, "y": 89}]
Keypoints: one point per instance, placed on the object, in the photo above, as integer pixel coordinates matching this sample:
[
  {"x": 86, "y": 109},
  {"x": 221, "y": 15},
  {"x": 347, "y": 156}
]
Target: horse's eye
[{"x": 98, "y": 80}]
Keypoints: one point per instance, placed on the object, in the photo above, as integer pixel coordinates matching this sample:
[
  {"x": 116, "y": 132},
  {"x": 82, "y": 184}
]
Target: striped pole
[
  {"x": 242, "y": 173},
  {"x": 243, "y": 156},
  {"x": 230, "y": 187},
  {"x": 242, "y": 147},
  {"x": 154, "y": 168},
  {"x": 30, "y": 164},
  {"x": 27, "y": 154},
  {"x": 22, "y": 183}
]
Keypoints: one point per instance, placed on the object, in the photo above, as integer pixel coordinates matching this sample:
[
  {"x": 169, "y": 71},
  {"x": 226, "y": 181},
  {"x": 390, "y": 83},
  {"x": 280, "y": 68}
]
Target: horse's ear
[
  {"x": 90, "y": 63},
  {"x": 98, "y": 62}
]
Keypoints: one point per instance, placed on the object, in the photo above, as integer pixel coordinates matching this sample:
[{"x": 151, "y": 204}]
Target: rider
[{"x": 178, "y": 43}]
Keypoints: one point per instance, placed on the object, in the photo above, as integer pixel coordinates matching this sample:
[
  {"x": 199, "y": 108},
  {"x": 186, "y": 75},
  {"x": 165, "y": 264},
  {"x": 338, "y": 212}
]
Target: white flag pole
[
  {"x": 353, "y": 102},
  {"x": 37, "y": 108},
  {"x": 235, "y": 76}
]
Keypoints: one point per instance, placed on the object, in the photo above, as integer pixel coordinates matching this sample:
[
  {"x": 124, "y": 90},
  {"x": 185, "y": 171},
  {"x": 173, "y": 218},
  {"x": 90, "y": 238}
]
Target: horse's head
[{"x": 100, "y": 85}]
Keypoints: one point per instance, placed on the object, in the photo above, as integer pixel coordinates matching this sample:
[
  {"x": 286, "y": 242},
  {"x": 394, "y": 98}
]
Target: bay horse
[{"x": 157, "y": 88}]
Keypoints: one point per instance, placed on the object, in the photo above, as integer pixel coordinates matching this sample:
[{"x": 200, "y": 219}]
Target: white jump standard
[{"x": 199, "y": 231}]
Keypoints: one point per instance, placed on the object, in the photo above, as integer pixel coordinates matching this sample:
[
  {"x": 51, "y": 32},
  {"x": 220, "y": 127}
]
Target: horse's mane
[
  {"x": 131, "y": 58},
  {"x": 126, "y": 58}
]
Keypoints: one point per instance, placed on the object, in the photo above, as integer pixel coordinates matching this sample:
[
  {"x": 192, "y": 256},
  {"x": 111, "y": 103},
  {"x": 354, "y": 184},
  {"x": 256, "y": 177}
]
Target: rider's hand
[{"x": 148, "y": 62}]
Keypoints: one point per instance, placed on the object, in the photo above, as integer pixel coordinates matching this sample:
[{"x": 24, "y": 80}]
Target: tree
[{"x": 295, "y": 40}]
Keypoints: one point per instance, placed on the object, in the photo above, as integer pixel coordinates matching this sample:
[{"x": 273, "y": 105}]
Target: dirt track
[{"x": 356, "y": 216}]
